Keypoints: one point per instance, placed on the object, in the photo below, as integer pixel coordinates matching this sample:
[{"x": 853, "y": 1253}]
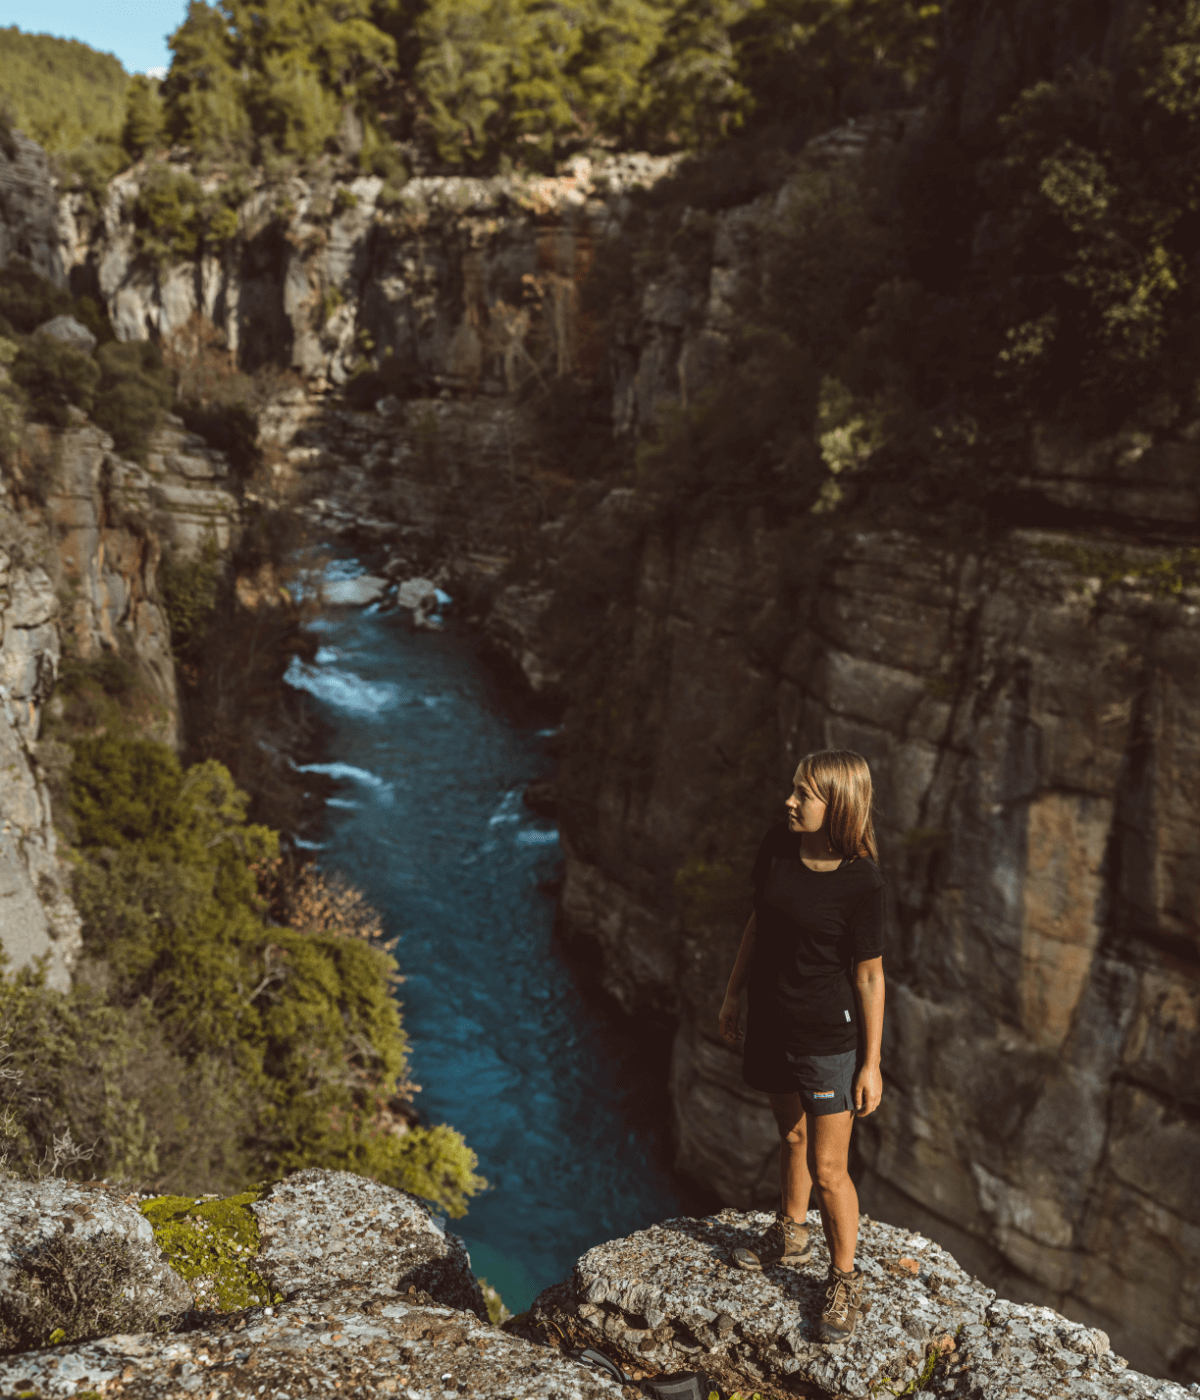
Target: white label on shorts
[{"x": 847, "y": 1015}]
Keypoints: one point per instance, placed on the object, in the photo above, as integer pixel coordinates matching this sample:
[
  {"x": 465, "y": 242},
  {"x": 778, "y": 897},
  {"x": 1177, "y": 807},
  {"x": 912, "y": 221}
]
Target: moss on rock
[{"x": 212, "y": 1244}]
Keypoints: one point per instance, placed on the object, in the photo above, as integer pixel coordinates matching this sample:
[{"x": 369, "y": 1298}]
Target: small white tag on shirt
[{"x": 847, "y": 1015}]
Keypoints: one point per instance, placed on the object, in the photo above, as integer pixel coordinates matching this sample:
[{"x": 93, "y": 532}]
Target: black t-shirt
[{"x": 811, "y": 928}]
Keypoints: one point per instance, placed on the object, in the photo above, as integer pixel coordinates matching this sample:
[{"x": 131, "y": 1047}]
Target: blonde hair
[{"x": 842, "y": 780}]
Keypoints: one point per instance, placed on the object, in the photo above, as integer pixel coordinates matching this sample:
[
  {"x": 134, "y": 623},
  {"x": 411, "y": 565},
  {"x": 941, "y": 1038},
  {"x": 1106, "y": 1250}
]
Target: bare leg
[
  {"x": 795, "y": 1182},
  {"x": 829, "y": 1168}
]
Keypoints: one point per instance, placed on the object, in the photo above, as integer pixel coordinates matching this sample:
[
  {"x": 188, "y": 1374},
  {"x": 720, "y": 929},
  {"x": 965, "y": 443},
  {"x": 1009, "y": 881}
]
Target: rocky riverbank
[{"x": 374, "y": 1297}]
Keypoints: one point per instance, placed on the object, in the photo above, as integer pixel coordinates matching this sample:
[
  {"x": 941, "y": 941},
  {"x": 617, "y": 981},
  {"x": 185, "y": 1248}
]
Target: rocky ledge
[{"x": 374, "y": 1297}]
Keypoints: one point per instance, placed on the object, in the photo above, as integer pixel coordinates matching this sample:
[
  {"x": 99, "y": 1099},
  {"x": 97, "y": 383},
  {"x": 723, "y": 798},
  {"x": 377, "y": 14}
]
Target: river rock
[
  {"x": 70, "y": 331},
  {"x": 353, "y": 592},
  {"x": 359, "y": 1342},
  {"x": 34, "y": 1213},
  {"x": 323, "y": 1230},
  {"x": 669, "y": 1299},
  {"x": 421, "y": 596}
]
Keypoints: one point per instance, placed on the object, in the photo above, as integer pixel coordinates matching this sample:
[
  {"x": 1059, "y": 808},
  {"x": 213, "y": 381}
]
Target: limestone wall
[{"x": 82, "y": 534}]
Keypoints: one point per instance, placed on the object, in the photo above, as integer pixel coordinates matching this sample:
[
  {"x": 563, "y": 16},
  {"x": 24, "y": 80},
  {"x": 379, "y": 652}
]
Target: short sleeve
[
  {"x": 768, "y": 850},
  {"x": 867, "y": 923}
]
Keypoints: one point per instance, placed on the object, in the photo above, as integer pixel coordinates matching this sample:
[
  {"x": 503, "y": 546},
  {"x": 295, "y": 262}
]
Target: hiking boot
[
  {"x": 843, "y": 1303},
  {"x": 785, "y": 1242}
]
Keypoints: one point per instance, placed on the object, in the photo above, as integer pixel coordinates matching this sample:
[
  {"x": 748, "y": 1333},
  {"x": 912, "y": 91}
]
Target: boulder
[
  {"x": 36, "y": 1216},
  {"x": 353, "y": 592},
  {"x": 421, "y": 596},
  {"x": 70, "y": 331},
  {"x": 1022, "y": 1352},
  {"x": 363, "y": 1341},
  {"x": 324, "y": 1230},
  {"x": 668, "y": 1299}
]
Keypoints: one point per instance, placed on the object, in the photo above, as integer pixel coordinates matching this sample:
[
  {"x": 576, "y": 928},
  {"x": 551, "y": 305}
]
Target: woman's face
[{"x": 806, "y": 811}]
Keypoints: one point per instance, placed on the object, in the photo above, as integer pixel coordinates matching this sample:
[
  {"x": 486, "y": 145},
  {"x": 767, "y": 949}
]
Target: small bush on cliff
[
  {"x": 27, "y": 300},
  {"x": 190, "y": 588},
  {"x": 72, "y": 1291},
  {"x": 134, "y": 392},
  {"x": 168, "y": 218},
  {"x": 55, "y": 377}
]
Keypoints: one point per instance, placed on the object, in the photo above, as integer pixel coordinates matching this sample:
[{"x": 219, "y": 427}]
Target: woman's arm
[
  {"x": 868, "y": 986},
  {"x": 729, "y": 1023}
]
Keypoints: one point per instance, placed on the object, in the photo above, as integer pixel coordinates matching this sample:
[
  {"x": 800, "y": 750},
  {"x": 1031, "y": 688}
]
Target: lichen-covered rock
[
  {"x": 1020, "y": 1352},
  {"x": 323, "y": 1231},
  {"x": 359, "y": 1341},
  {"x": 669, "y": 1299},
  {"x": 33, "y": 1215}
]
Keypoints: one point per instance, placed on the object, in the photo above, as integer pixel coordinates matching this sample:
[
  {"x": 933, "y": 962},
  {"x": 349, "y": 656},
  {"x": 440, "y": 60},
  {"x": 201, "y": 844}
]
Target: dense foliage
[
  {"x": 206, "y": 1045},
  {"x": 59, "y": 91},
  {"x": 472, "y": 81},
  {"x": 915, "y": 315},
  {"x": 124, "y": 388}
]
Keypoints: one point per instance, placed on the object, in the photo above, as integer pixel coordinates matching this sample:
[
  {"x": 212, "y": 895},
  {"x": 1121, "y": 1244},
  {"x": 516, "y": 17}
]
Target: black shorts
[{"x": 825, "y": 1083}]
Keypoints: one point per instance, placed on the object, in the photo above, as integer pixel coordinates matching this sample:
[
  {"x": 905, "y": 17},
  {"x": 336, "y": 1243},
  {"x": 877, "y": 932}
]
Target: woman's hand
[
  {"x": 868, "y": 1090},
  {"x": 729, "y": 1023}
]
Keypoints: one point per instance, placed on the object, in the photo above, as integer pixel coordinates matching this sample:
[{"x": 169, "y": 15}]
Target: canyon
[{"x": 1027, "y": 701}]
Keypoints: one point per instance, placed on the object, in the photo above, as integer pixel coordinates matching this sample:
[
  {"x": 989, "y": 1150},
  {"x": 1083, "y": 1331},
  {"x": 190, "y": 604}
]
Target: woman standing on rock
[{"x": 812, "y": 958}]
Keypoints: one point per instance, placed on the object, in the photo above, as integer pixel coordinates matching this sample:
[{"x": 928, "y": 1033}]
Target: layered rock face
[
  {"x": 29, "y": 207},
  {"x": 458, "y": 279},
  {"x": 82, "y": 535},
  {"x": 1030, "y": 738}
]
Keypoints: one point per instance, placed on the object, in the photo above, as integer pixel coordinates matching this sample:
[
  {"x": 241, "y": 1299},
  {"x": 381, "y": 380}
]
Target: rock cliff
[
  {"x": 82, "y": 534},
  {"x": 1027, "y": 702},
  {"x": 373, "y": 1297}
]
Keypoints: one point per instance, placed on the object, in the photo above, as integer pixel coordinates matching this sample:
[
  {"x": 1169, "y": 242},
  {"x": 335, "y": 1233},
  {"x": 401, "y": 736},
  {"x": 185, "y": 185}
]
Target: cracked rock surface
[
  {"x": 325, "y": 1230},
  {"x": 360, "y": 1342},
  {"x": 669, "y": 1299}
]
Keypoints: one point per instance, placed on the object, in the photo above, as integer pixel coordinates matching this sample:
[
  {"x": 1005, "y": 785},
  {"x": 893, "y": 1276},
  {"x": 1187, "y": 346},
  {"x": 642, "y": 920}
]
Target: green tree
[
  {"x": 303, "y": 1019},
  {"x": 59, "y": 91},
  {"x": 204, "y": 93},
  {"x": 145, "y": 121},
  {"x": 805, "y": 60}
]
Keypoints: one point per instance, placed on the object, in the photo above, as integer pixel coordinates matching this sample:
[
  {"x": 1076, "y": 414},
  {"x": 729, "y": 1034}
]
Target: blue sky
[{"x": 135, "y": 30}]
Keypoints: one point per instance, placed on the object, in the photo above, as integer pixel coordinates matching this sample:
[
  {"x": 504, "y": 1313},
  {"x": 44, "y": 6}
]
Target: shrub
[
  {"x": 27, "y": 300},
  {"x": 75, "y": 1290},
  {"x": 55, "y": 376},
  {"x": 135, "y": 390},
  {"x": 63, "y": 1060},
  {"x": 303, "y": 1020},
  {"x": 190, "y": 589},
  {"x": 167, "y": 216}
]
